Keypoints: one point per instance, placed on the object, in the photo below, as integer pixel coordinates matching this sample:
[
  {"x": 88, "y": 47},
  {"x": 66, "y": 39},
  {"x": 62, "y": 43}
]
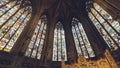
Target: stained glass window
[
  {"x": 3, "y": 2},
  {"x": 81, "y": 41},
  {"x": 106, "y": 25},
  {"x": 59, "y": 44},
  {"x": 13, "y": 19},
  {"x": 37, "y": 41}
]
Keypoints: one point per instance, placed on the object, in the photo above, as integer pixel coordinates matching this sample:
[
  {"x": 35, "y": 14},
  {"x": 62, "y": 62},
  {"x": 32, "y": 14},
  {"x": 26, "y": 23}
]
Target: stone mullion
[{"x": 57, "y": 42}]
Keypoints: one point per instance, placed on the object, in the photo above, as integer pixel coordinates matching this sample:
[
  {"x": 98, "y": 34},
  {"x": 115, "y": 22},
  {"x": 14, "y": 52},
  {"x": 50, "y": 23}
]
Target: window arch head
[
  {"x": 36, "y": 44},
  {"x": 106, "y": 25},
  {"x": 13, "y": 19},
  {"x": 82, "y": 43},
  {"x": 59, "y": 44}
]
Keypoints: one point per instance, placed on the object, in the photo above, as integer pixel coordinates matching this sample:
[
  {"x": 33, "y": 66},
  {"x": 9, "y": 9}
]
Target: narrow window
[
  {"x": 59, "y": 44},
  {"x": 37, "y": 41},
  {"x": 81, "y": 41}
]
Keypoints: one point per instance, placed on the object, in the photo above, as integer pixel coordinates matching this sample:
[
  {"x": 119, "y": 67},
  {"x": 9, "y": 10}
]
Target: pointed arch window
[
  {"x": 106, "y": 25},
  {"x": 59, "y": 44},
  {"x": 13, "y": 18},
  {"x": 37, "y": 41},
  {"x": 81, "y": 41}
]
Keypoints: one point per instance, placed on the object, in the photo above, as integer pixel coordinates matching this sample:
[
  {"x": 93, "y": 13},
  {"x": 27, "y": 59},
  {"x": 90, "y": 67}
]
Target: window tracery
[
  {"x": 81, "y": 41},
  {"x": 59, "y": 44}
]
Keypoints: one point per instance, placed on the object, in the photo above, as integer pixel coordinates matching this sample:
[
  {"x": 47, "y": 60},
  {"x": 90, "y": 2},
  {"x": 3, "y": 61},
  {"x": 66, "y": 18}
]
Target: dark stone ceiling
[{"x": 61, "y": 9}]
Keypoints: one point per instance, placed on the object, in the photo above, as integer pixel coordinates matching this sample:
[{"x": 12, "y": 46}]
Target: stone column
[
  {"x": 49, "y": 41},
  {"x": 70, "y": 45}
]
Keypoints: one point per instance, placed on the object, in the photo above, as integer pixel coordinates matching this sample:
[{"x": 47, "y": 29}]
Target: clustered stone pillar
[
  {"x": 49, "y": 41},
  {"x": 70, "y": 45}
]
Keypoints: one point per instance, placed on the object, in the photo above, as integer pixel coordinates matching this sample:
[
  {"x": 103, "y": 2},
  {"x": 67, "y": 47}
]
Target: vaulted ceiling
[{"x": 63, "y": 9}]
